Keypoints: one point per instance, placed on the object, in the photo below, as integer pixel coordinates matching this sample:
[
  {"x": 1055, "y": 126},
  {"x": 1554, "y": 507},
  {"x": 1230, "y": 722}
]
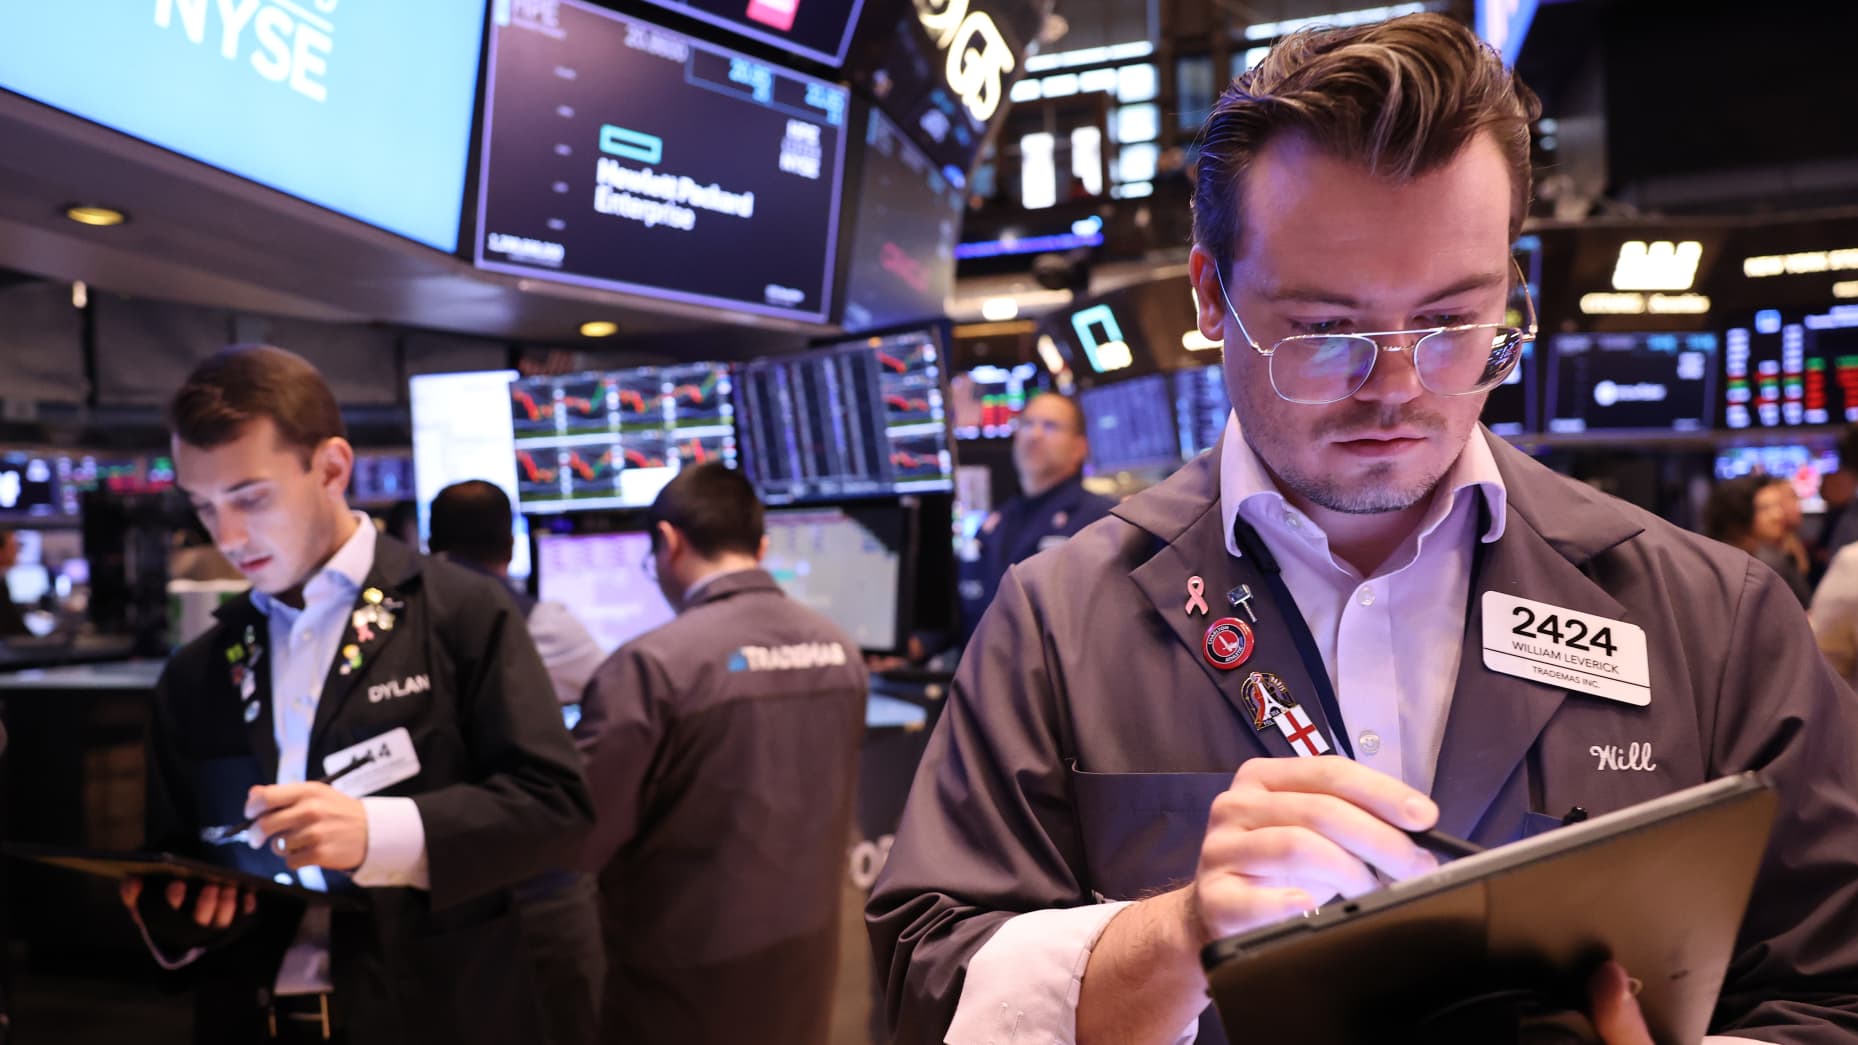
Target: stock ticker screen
[
  {"x": 1782, "y": 371},
  {"x": 614, "y": 439},
  {"x": 1612, "y": 382},
  {"x": 621, "y": 155},
  {"x": 986, "y": 401},
  {"x": 903, "y": 245},
  {"x": 816, "y": 29},
  {"x": 859, "y": 419}
]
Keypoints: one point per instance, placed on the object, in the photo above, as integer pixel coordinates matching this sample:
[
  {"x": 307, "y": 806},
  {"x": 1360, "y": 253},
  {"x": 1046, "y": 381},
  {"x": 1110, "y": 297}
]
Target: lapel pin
[
  {"x": 251, "y": 712},
  {"x": 1305, "y": 739},
  {"x": 351, "y": 658},
  {"x": 1196, "y": 596},
  {"x": 1266, "y": 697},
  {"x": 1060, "y": 519},
  {"x": 373, "y": 596},
  {"x": 1240, "y": 598},
  {"x": 1228, "y": 643}
]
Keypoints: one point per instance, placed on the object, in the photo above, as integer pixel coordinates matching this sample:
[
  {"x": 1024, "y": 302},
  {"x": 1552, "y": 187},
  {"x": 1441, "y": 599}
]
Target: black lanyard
[{"x": 1252, "y": 545}]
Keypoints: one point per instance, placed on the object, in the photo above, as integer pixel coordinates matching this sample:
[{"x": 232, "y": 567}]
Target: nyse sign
[
  {"x": 285, "y": 42},
  {"x": 978, "y": 55}
]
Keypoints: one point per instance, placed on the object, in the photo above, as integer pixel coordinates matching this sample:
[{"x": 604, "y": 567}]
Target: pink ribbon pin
[{"x": 1196, "y": 592}]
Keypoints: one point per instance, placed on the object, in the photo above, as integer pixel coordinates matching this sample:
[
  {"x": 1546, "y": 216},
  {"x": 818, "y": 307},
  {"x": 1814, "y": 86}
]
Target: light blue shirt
[{"x": 303, "y": 646}]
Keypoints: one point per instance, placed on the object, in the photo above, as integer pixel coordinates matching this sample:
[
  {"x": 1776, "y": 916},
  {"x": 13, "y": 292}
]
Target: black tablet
[
  {"x": 1661, "y": 887},
  {"x": 110, "y": 864}
]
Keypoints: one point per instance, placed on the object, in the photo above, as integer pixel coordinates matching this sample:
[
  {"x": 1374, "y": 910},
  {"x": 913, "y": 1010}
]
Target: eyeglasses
[{"x": 1318, "y": 369}]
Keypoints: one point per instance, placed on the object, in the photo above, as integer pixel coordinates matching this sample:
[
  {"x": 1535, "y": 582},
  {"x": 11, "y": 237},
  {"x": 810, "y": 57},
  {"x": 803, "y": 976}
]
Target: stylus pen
[{"x": 1445, "y": 845}]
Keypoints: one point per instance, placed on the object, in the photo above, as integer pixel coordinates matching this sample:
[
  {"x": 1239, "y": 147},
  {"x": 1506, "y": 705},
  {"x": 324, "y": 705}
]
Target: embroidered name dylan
[{"x": 405, "y": 687}]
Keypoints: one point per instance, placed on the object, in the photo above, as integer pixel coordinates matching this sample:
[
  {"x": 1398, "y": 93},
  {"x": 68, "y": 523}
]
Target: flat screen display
[
  {"x": 1617, "y": 382},
  {"x": 461, "y": 430},
  {"x": 860, "y": 419},
  {"x": 985, "y": 402},
  {"x": 846, "y": 563},
  {"x": 624, "y": 156},
  {"x": 1201, "y": 407},
  {"x": 1511, "y": 408},
  {"x": 1131, "y": 425},
  {"x": 614, "y": 439},
  {"x": 816, "y": 29},
  {"x": 1787, "y": 369},
  {"x": 381, "y": 479},
  {"x": 903, "y": 250},
  {"x": 29, "y": 488},
  {"x": 600, "y": 577},
  {"x": 363, "y": 108},
  {"x": 1803, "y": 466}
]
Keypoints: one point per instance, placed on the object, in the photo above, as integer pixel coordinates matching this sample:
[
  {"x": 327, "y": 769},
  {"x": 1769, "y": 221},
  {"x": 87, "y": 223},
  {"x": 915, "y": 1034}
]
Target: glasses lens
[
  {"x": 1475, "y": 359},
  {"x": 1319, "y": 370}
]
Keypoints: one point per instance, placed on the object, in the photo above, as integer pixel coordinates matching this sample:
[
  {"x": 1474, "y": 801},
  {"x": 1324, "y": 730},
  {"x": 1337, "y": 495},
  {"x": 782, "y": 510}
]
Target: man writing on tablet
[{"x": 1382, "y": 617}]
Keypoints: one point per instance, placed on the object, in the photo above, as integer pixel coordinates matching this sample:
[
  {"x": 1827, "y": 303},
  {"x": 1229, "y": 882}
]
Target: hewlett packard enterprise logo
[{"x": 285, "y": 42}]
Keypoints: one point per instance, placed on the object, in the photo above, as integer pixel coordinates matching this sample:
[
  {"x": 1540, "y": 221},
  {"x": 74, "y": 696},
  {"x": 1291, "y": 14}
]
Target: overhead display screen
[
  {"x": 1784, "y": 370},
  {"x": 363, "y": 108},
  {"x": 624, "y": 156},
  {"x": 1631, "y": 381},
  {"x": 903, "y": 250},
  {"x": 613, "y": 440},
  {"x": 816, "y": 29},
  {"x": 866, "y": 419}
]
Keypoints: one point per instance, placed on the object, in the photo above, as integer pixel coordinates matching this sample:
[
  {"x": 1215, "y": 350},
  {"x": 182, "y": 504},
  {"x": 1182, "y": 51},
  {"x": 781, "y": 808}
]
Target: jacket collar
[{"x": 726, "y": 585}]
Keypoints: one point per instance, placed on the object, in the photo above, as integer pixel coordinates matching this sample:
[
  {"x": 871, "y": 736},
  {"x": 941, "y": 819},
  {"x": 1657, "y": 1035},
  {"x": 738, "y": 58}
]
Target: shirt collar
[
  {"x": 347, "y": 570},
  {"x": 1244, "y": 485},
  {"x": 690, "y": 593}
]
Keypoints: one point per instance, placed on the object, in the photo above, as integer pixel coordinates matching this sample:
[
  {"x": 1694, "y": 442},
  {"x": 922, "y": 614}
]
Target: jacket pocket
[{"x": 1142, "y": 831}]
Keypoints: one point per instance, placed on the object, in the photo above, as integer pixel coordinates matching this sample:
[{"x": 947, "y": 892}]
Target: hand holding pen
[{"x": 309, "y": 824}]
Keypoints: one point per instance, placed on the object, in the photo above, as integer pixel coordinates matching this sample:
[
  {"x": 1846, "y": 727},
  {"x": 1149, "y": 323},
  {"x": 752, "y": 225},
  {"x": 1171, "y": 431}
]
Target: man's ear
[
  {"x": 334, "y": 463},
  {"x": 1209, "y": 297},
  {"x": 669, "y": 539}
]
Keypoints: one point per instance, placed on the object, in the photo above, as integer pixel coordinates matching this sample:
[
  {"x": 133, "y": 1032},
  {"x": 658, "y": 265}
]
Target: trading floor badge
[
  {"x": 1228, "y": 643},
  {"x": 1266, "y": 697}
]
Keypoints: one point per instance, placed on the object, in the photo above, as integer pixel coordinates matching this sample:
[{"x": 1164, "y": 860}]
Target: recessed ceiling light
[
  {"x": 101, "y": 217},
  {"x": 599, "y": 328}
]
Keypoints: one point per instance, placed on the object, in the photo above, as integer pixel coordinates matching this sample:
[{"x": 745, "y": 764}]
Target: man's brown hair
[
  {"x": 1400, "y": 97},
  {"x": 243, "y": 383}
]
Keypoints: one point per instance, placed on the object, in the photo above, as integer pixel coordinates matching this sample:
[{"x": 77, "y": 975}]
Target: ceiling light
[
  {"x": 999, "y": 310},
  {"x": 599, "y": 328},
  {"x": 101, "y": 217}
]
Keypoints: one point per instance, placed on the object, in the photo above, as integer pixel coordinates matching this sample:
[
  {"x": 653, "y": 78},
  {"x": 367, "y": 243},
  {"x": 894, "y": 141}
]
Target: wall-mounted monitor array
[
  {"x": 817, "y": 29},
  {"x": 47, "y": 487},
  {"x": 620, "y": 155},
  {"x": 1787, "y": 369},
  {"x": 614, "y": 439},
  {"x": 1631, "y": 381},
  {"x": 858, "y": 419},
  {"x": 362, "y": 108}
]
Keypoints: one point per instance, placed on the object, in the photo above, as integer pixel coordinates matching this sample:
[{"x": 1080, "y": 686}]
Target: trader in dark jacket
[
  {"x": 1050, "y": 446},
  {"x": 411, "y": 678},
  {"x": 722, "y": 754}
]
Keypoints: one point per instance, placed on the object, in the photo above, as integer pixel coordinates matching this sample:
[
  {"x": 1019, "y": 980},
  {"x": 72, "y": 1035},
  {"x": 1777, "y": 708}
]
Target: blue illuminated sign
[{"x": 361, "y": 107}]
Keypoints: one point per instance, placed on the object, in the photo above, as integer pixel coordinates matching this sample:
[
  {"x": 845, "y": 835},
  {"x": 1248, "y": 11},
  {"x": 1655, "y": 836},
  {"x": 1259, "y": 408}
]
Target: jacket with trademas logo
[{"x": 722, "y": 753}]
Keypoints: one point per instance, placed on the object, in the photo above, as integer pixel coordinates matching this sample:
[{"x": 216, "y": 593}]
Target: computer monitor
[
  {"x": 1803, "y": 466},
  {"x": 864, "y": 418},
  {"x": 1631, "y": 381},
  {"x": 985, "y": 402},
  {"x": 613, "y": 439},
  {"x": 29, "y": 488},
  {"x": 1786, "y": 369},
  {"x": 1131, "y": 425},
  {"x": 1201, "y": 408},
  {"x": 600, "y": 578},
  {"x": 847, "y": 563},
  {"x": 461, "y": 430}
]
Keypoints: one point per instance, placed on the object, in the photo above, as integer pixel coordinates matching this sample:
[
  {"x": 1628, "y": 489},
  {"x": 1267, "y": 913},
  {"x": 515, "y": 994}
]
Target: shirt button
[
  {"x": 1366, "y": 597},
  {"x": 302, "y": 637},
  {"x": 1293, "y": 519},
  {"x": 1369, "y": 742}
]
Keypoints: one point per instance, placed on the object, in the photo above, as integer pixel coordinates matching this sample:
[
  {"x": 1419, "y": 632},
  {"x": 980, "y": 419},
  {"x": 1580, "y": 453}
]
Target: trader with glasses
[{"x": 1221, "y": 706}]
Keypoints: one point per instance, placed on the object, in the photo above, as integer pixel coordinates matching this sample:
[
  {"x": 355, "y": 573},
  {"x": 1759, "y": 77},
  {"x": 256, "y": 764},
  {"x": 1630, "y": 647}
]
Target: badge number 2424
[{"x": 1566, "y": 648}]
